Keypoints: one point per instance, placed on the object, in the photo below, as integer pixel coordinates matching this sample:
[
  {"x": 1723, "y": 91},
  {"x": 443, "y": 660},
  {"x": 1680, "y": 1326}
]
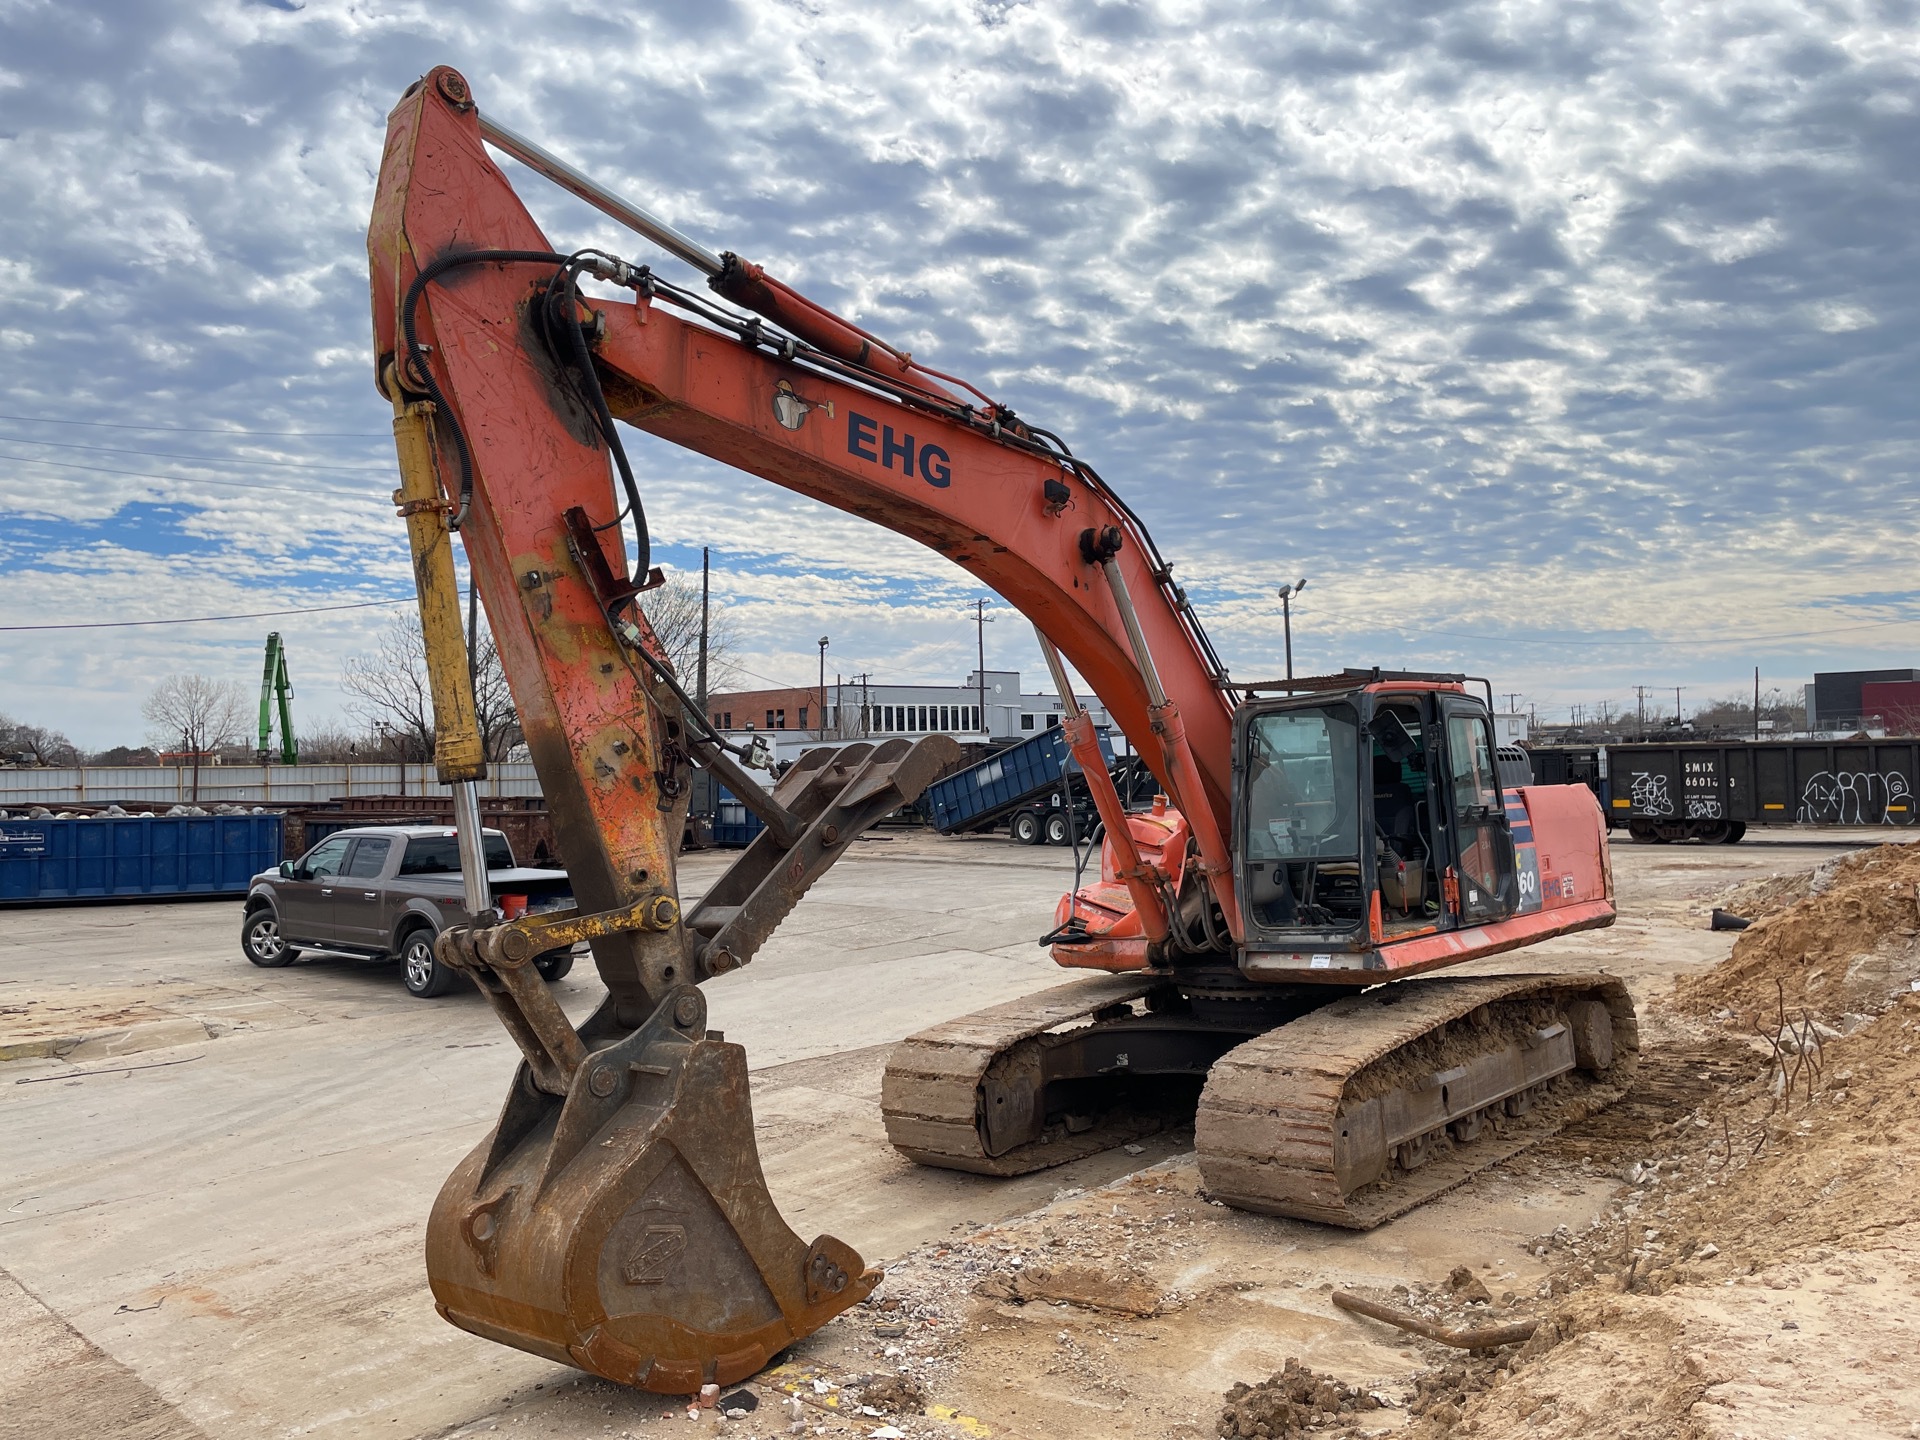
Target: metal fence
[{"x": 148, "y": 785}]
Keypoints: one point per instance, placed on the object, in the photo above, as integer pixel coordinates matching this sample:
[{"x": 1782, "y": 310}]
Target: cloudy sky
[{"x": 1569, "y": 343}]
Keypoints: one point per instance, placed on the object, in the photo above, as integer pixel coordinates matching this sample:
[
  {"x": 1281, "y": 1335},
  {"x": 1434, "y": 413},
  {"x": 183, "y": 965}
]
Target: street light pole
[
  {"x": 823, "y": 687},
  {"x": 1287, "y": 592}
]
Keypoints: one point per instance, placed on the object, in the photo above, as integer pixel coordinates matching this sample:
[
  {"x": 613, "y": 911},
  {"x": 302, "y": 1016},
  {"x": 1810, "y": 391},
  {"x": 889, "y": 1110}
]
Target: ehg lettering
[{"x": 871, "y": 440}]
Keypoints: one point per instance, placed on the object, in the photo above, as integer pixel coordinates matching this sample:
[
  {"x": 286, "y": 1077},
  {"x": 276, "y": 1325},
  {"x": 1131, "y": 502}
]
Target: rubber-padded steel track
[
  {"x": 931, "y": 1094},
  {"x": 1270, "y": 1117}
]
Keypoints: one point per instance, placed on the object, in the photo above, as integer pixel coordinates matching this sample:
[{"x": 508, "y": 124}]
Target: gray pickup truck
[{"x": 386, "y": 891}]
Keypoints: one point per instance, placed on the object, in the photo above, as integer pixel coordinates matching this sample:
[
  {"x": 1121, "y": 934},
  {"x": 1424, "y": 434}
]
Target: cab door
[
  {"x": 359, "y": 899},
  {"x": 1476, "y": 816},
  {"x": 305, "y": 902}
]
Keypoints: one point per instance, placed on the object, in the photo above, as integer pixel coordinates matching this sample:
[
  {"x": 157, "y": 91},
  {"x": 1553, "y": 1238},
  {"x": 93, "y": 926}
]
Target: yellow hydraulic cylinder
[{"x": 457, "y": 752}]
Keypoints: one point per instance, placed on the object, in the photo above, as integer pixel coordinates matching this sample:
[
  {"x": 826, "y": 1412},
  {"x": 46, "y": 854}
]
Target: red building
[
  {"x": 1895, "y": 703},
  {"x": 791, "y": 709}
]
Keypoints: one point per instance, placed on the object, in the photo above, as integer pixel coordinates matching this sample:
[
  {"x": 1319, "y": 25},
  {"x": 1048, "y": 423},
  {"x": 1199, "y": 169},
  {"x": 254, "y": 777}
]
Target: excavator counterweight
[{"x": 1314, "y": 845}]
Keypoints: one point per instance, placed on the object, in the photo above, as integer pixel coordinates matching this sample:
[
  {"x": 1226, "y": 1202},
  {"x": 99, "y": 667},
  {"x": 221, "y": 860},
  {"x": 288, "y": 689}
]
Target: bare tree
[
  {"x": 493, "y": 701},
  {"x": 389, "y": 688},
  {"x": 22, "y": 744},
  {"x": 198, "y": 714},
  {"x": 392, "y": 697},
  {"x": 1734, "y": 713},
  {"x": 334, "y": 744},
  {"x": 673, "y": 609}
]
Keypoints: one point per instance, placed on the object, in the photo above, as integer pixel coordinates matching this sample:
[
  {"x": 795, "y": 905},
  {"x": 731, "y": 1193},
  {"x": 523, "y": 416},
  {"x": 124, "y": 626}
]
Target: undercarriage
[{"x": 1305, "y": 1101}]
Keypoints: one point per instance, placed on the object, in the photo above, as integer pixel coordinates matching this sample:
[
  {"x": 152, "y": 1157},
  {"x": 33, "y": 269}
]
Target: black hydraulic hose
[
  {"x": 416, "y": 364},
  {"x": 562, "y": 315},
  {"x": 695, "y": 716}
]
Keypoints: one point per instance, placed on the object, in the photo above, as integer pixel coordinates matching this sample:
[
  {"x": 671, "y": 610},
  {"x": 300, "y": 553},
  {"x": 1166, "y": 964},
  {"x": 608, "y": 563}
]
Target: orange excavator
[{"x": 1317, "y": 843}]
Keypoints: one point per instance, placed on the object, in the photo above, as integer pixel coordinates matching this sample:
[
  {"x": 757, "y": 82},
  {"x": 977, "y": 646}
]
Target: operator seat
[
  {"x": 1394, "y": 811},
  {"x": 1399, "y": 853}
]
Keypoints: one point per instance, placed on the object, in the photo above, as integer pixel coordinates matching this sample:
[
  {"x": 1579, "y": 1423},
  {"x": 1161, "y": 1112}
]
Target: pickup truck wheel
[
  {"x": 554, "y": 965},
  {"x": 260, "y": 937},
  {"x": 420, "y": 969}
]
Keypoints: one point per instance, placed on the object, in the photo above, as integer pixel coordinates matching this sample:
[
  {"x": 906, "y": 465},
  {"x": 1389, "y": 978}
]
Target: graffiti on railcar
[
  {"x": 1857, "y": 797},
  {"x": 1650, "y": 794}
]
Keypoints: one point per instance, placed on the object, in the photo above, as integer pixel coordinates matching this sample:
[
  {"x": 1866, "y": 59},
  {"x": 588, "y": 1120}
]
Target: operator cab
[{"x": 1368, "y": 811}]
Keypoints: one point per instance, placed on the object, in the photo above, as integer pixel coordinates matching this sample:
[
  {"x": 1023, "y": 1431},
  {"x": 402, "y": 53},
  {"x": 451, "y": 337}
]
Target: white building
[{"x": 982, "y": 707}]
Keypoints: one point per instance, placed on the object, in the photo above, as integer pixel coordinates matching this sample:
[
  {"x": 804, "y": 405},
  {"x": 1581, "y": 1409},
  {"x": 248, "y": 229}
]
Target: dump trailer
[
  {"x": 1311, "y": 847},
  {"x": 1035, "y": 789}
]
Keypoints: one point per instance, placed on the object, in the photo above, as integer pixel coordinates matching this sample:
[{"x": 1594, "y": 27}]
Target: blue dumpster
[
  {"x": 733, "y": 822},
  {"x": 134, "y": 857},
  {"x": 980, "y": 795}
]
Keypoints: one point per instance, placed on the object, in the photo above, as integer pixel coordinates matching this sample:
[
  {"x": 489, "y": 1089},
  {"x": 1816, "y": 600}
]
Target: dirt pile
[
  {"x": 1294, "y": 1402},
  {"x": 893, "y": 1394},
  {"x": 1848, "y": 944},
  {"x": 1834, "y": 1162},
  {"x": 1760, "y": 1256},
  {"x": 1599, "y": 1371}
]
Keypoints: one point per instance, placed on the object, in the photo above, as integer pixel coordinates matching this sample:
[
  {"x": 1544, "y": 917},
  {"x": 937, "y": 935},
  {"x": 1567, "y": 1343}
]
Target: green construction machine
[{"x": 275, "y": 687}]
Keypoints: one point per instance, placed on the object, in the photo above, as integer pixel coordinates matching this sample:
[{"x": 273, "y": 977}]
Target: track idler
[{"x": 626, "y": 1229}]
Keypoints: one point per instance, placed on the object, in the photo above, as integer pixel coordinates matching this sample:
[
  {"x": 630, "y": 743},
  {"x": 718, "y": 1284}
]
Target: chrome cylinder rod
[
  {"x": 473, "y": 849},
  {"x": 1142, "y": 656},
  {"x": 1058, "y": 668},
  {"x": 536, "y": 157}
]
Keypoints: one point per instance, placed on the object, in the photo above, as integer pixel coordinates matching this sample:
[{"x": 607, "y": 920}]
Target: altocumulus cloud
[{"x": 1551, "y": 339}]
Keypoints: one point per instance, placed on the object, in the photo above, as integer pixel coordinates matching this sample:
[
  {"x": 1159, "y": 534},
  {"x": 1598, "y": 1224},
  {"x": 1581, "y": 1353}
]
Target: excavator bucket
[
  {"x": 616, "y": 1218},
  {"x": 627, "y": 1229}
]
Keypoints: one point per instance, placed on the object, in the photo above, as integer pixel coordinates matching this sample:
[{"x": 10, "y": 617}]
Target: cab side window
[
  {"x": 431, "y": 855},
  {"x": 1476, "y": 783},
  {"x": 324, "y": 859},
  {"x": 369, "y": 858}
]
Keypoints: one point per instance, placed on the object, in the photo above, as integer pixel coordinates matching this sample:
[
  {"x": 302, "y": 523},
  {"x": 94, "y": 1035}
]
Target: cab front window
[{"x": 1302, "y": 836}]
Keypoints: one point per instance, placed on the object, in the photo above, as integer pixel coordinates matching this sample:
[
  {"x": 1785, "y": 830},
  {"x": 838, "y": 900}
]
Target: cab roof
[{"x": 1373, "y": 678}]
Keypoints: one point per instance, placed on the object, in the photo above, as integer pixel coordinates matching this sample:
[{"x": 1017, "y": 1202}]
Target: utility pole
[
  {"x": 1676, "y": 706},
  {"x": 473, "y": 632},
  {"x": 1512, "y": 696},
  {"x": 1640, "y": 699},
  {"x": 706, "y": 575},
  {"x": 866, "y": 711},
  {"x": 980, "y": 623},
  {"x": 1756, "y": 702},
  {"x": 822, "y": 716}
]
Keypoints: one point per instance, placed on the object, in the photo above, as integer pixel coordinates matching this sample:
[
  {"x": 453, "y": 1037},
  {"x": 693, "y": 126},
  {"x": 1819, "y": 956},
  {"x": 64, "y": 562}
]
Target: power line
[
  {"x": 1373, "y": 623},
  {"x": 205, "y": 430},
  {"x": 208, "y": 619},
  {"x": 204, "y": 459}
]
